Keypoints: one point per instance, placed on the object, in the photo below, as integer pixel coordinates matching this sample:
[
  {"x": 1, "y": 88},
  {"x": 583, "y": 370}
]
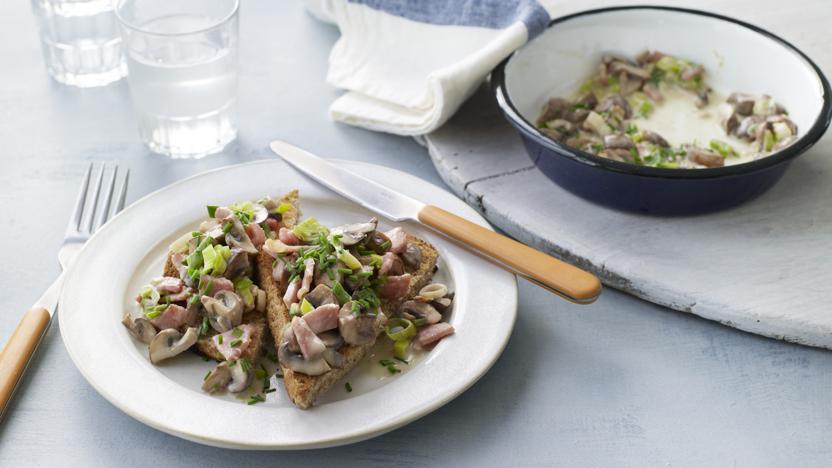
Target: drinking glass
[
  {"x": 80, "y": 41},
  {"x": 182, "y": 59}
]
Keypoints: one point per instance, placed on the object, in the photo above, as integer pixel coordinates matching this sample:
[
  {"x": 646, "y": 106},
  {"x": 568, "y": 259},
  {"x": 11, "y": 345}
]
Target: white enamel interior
[
  {"x": 736, "y": 59},
  {"x": 130, "y": 250}
]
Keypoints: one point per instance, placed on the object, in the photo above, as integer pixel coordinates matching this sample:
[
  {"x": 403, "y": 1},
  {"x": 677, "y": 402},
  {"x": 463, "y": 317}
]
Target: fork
[{"x": 27, "y": 336}]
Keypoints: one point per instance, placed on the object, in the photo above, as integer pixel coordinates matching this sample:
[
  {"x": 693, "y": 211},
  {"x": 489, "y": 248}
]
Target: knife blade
[{"x": 565, "y": 280}]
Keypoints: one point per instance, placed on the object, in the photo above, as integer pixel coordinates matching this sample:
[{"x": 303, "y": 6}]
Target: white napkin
[{"x": 407, "y": 65}]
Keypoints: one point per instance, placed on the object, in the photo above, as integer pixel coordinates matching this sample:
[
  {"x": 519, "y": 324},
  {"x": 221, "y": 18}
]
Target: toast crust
[{"x": 304, "y": 389}]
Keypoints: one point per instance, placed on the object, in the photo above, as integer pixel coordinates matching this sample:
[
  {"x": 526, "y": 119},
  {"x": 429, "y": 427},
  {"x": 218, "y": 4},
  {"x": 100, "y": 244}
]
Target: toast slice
[
  {"x": 304, "y": 389},
  {"x": 205, "y": 345}
]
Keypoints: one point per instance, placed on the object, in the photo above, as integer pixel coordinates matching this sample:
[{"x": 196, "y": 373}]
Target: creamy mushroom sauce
[{"x": 659, "y": 111}]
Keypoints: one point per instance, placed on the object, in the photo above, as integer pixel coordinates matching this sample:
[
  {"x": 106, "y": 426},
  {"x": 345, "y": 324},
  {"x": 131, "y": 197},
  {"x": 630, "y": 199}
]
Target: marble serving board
[{"x": 764, "y": 267}]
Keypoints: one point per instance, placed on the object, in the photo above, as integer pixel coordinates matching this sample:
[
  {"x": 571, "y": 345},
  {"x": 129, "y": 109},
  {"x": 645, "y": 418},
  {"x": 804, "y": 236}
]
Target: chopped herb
[
  {"x": 203, "y": 327},
  {"x": 390, "y": 365},
  {"x": 227, "y": 227},
  {"x": 348, "y": 387},
  {"x": 212, "y": 210},
  {"x": 401, "y": 360},
  {"x": 256, "y": 398},
  {"x": 206, "y": 376},
  {"x": 245, "y": 364},
  {"x": 236, "y": 343},
  {"x": 271, "y": 390},
  {"x": 345, "y": 271},
  {"x": 237, "y": 332},
  {"x": 419, "y": 322},
  {"x": 219, "y": 339},
  {"x": 330, "y": 274},
  {"x": 385, "y": 246}
]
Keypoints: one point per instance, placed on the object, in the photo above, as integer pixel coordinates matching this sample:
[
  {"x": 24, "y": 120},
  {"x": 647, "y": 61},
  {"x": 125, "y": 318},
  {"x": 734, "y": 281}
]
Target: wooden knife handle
[
  {"x": 567, "y": 281},
  {"x": 19, "y": 350}
]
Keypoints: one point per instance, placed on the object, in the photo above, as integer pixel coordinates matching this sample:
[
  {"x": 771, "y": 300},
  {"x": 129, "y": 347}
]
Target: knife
[{"x": 563, "y": 279}]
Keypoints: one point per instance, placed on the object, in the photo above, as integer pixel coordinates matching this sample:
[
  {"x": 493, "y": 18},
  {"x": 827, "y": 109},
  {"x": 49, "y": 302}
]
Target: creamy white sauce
[{"x": 679, "y": 121}]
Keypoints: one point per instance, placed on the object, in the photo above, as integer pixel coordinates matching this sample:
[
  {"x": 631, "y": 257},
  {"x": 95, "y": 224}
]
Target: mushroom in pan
[
  {"x": 294, "y": 360},
  {"x": 168, "y": 343},
  {"x": 140, "y": 327},
  {"x": 618, "y": 140},
  {"x": 224, "y": 310},
  {"x": 237, "y": 237},
  {"x": 352, "y": 234},
  {"x": 260, "y": 213}
]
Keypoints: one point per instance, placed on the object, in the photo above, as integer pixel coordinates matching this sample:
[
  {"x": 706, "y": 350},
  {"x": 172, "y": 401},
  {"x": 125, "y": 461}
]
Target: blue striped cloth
[{"x": 407, "y": 65}]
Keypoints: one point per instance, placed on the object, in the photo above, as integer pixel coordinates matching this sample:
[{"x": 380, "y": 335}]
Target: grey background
[{"x": 618, "y": 383}]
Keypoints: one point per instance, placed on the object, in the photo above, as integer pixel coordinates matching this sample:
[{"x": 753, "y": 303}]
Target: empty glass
[
  {"x": 182, "y": 58},
  {"x": 80, "y": 39}
]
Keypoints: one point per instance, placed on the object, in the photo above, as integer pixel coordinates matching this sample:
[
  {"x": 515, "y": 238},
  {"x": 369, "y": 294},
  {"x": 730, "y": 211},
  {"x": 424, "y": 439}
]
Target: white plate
[{"x": 130, "y": 250}]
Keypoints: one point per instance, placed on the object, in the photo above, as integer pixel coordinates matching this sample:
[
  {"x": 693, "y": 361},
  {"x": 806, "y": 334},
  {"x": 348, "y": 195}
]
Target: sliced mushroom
[
  {"x": 238, "y": 238},
  {"x": 218, "y": 379},
  {"x": 140, "y": 327},
  {"x": 441, "y": 304},
  {"x": 705, "y": 157},
  {"x": 615, "y": 104},
  {"x": 621, "y": 66},
  {"x": 240, "y": 378},
  {"x": 747, "y": 128},
  {"x": 420, "y": 310},
  {"x": 617, "y": 154},
  {"x": 322, "y": 294},
  {"x": 702, "y": 99},
  {"x": 333, "y": 358},
  {"x": 588, "y": 100},
  {"x": 555, "y": 108},
  {"x": 238, "y": 264},
  {"x": 352, "y": 234},
  {"x": 224, "y": 310},
  {"x": 618, "y": 140},
  {"x": 412, "y": 255},
  {"x": 378, "y": 242},
  {"x": 358, "y": 329},
  {"x": 743, "y": 103},
  {"x": 331, "y": 339},
  {"x": 260, "y": 213},
  {"x": 295, "y": 361},
  {"x": 655, "y": 138},
  {"x": 168, "y": 343},
  {"x": 652, "y": 92}
]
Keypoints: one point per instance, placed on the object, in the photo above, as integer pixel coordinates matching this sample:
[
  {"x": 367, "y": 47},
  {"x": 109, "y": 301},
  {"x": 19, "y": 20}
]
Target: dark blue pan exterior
[{"x": 651, "y": 190}]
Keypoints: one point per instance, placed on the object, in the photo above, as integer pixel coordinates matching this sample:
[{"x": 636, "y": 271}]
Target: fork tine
[
  {"x": 78, "y": 211},
  {"x": 108, "y": 196},
  {"x": 122, "y": 193},
  {"x": 95, "y": 194}
]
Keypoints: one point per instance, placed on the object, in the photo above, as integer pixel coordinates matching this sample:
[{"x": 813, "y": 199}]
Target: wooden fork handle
[
  {"x": 567, "y": 281},
  {"x": 19, "y": 350}
]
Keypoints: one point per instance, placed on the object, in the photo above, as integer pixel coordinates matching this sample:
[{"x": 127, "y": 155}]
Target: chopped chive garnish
[
  {"x": 330, "y": 274},
  {"x": 227, "y": 226},
  {"x": 345, "y": 271},
  {"x": 219, "y": 339},
  {"x": 257, "y": 398},
  {"x": 271, "y": 390},
  {"x": 386, "y": 245},
  {"x": 419, "y": 322},
  {"x": 245, "y": 364},
  {"x": 365, "y": 273},
  {"x": 401, "y": 360},
  {"x": 237, "y": 332},
  {"x": 236, "y": 343},
  {"x": 206, "y": 376},
  {"x": 348, "y": 387},
  {"x": 212, "y": 210}
]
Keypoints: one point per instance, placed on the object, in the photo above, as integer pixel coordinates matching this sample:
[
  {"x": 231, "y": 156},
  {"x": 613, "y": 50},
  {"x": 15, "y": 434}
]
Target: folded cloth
[{"x": 407, "y": 65}]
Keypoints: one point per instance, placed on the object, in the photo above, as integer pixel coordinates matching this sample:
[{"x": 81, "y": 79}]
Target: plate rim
[{"x": 356, "y": 435}]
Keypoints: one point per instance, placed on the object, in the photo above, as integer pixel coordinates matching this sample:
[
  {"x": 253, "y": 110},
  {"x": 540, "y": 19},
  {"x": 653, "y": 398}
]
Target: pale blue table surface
[{"x": 618, "y": 383}]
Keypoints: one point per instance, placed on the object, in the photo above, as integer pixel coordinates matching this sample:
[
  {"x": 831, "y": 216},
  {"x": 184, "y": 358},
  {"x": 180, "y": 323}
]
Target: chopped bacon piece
[
  {"x": 323, "y": 318},
  {"x": 287, "y": 236},
  {"x": 175, "y": 317},
  {"x": 169, "y": 284},
  {"x": 398, "y": 239},
  {"x": 396, "y": 287},
  {"x": 256, "y": 234},
  {"x": 391, "y": 264},
  {"x": 228, "y": 345},
  {"x": 291, "y": 295},
  {"x": 433, "y": 333},
  {"x": 274, "y": 225},
  {"x": 180, "y": 296},
  {"x": 310, "y": 345}
]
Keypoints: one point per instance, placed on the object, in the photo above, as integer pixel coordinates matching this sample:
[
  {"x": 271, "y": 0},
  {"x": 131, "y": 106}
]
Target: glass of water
[
  {"x": 80, "y": 41},
  {"x": 182, "y": 59}
]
